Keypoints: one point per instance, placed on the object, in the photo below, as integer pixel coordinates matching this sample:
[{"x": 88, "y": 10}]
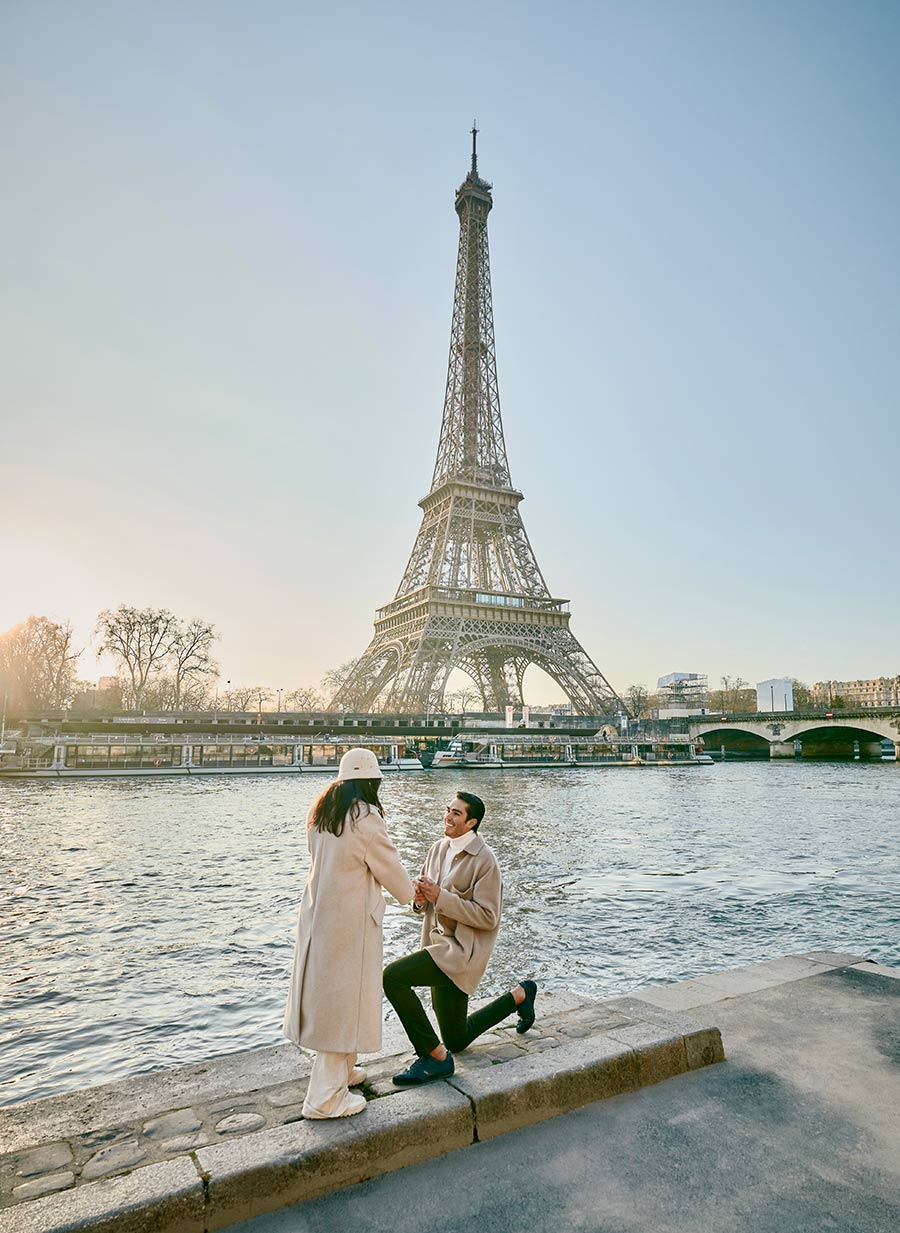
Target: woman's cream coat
[{"x": 334, "y": 1000}]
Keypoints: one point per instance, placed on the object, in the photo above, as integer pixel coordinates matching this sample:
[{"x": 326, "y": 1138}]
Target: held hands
[{"x": 426, "y": 890}]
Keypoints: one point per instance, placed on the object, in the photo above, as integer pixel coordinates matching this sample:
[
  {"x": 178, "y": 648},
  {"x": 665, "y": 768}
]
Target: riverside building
[{"x": 858, "y": 695}]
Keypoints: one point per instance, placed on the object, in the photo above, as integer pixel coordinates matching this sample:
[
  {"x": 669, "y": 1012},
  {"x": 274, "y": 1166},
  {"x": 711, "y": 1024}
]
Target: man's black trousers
[{"x": 458, "y": 1028}]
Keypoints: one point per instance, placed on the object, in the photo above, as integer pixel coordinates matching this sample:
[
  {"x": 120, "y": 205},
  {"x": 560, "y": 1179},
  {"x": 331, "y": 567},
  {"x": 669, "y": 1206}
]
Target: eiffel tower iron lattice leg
[{"x": 472, "y": 595}]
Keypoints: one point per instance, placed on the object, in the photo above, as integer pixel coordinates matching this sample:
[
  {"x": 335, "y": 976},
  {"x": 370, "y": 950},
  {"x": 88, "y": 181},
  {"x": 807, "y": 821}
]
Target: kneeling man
[{"x": 460, "y": 892}]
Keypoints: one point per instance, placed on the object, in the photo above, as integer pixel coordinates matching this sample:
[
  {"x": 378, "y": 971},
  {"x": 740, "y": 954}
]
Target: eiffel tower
[{"x": 472, "y": 595}]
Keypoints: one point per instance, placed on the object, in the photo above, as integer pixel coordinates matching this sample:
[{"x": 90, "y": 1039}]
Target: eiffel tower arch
[{"x": 472, "y": 595}]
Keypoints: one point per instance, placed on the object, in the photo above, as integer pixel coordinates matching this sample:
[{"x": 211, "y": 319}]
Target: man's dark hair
[{"x": 474, "y": 806}]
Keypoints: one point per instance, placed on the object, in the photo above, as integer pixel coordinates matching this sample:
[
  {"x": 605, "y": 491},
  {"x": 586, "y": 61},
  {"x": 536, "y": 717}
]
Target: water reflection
[{"x": 151, "y": 923}]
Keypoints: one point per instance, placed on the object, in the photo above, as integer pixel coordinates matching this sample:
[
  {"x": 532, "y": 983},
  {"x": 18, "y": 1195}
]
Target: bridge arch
[
  {"x": 734, "y": 739},
  {"x": 815, "y": 736}
]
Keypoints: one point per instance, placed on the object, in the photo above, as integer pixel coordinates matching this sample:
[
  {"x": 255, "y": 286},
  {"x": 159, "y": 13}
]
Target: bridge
[{"x": 815, "y": 734}]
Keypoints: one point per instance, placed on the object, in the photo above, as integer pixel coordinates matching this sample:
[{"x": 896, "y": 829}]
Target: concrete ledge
[
  {"x": 735, "y": 982},
  {"x": 869, "y": 965},
  {"x": 161, "y": 1198},
  {"x": 274, "y": 1168},
  {"x": 702, "y": 1038},
  {"x": 536, "y": 1087}
]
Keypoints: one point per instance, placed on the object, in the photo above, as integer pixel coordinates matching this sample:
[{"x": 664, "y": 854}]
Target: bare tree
[
  {"x": 247, "y": 697},
  {"x": 304, "y": 699},
  {"x": 802, "y": 694},
  {"x": 637, "y": 698},
  {"x": 734, "y": 695},
  {"x": 139, "y": 639},
  {"x": 462, "y": 699},
  {"x": 191, "y": 661},
  {"x": 163, "y": 689},
  {"x": 37, "y": 665},
  {"x": 334, "y": 680}
]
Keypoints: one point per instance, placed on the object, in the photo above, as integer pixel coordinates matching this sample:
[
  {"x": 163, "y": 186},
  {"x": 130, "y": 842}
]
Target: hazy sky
[{"x": 227, "y": 270}]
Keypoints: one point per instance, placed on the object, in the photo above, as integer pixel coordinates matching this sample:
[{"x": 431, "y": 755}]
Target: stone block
[
  {"x": 44, "y": 1160},
  {"x": 293, "y": 1094},
  {"x": 114, "y": 1159},
  {"x": 238, "y": 1103},
  {"x": 702, "y": 1037},
  {"x": 239, "y": 1123},
  {"x": 879, "y": 969},
  {"x": 788, "y": 967},
  {"x": 704, "y": 1048},
  {"x": 161, "y": 1198},
  {"x": 185, "y": 1143},
  {"x": 540, "y": 1046},
  {"x": 182, "y": 1122},
  {"x": 831, "y": 958},
  {"x": 660, "y": 1052},
  {"x": 505, "y": 1053},
  {"x": 684, "y": 995},
  {"x": 472, "y": 1060},
  {"x": 271, "y": 1169},
  {"x": 87, "y": 1143},
  {"x": 541, "y": 1085},
  {"x": 574, "y": 1031},
  {"x": 45, "y": 1184},
  {"x": 753, "y": 978}
]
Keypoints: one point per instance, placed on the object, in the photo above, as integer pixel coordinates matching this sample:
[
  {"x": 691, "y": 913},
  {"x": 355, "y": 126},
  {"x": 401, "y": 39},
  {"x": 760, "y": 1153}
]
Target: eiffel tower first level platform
[{"x": 472, "y": 596}]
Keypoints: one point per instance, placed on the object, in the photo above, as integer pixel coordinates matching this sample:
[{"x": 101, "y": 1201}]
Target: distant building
[
  {"x": 858, "y": 695},
  {"x": 775, "y": 695},
  {"x": 105, "y": 696},
  {"x": 682, "y": 693}
]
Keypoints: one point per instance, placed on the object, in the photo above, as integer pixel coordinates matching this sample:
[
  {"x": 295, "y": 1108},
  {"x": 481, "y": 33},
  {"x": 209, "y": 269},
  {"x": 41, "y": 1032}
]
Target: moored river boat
[
  {"x": 509, "y": 751},
  {"x": 108, "y": 755}
]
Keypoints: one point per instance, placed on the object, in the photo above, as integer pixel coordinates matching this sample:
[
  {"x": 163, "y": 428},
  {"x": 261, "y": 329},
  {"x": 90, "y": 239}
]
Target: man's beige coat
[
  {"x": 460, "y": 929},
  {"x": 334, "y": 1000}
]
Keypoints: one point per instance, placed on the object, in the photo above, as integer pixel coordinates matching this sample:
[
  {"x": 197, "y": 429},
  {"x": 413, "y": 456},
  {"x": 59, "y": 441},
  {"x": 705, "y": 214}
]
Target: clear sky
[{"x": 228, "y": 250}]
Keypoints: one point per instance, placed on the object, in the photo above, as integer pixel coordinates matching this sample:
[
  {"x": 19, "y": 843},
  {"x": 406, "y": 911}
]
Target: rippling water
[{"x": 150, "y": 923}]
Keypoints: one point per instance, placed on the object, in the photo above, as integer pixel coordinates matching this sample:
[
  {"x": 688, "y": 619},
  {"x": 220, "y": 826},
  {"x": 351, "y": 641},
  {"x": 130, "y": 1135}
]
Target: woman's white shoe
[
  {"x": 352, "y": 1103},
  {"x": 357, "y": 1076}
]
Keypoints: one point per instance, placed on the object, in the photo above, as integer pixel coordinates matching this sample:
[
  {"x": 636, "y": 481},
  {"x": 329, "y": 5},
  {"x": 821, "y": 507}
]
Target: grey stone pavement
[{"x": 798, "y": 1131}]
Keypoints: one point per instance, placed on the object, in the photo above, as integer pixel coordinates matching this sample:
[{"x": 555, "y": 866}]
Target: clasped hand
[{"x": 426, "y": 890}]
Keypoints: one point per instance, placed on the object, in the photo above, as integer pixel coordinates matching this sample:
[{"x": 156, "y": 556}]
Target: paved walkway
[{"x": 797, "y": 1132}]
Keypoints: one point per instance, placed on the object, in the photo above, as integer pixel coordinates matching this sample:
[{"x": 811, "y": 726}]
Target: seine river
[{"x": 149, "y": 924}]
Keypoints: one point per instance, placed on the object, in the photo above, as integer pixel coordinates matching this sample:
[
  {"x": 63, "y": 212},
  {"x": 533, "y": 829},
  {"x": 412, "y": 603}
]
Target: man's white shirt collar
[
  {"x": 462, "y": 842},
  {"x": 454, "y": 847}
]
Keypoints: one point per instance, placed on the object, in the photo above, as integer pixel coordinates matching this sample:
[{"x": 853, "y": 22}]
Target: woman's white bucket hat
[{"x": 359, "y": 764}]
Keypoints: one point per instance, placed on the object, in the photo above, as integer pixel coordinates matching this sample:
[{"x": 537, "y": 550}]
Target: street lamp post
[{"x": 279, "y": 691}]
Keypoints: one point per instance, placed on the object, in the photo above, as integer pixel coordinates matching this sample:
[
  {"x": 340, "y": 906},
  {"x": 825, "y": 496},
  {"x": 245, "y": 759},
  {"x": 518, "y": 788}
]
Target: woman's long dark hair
[{"x": 343, "y": 798}]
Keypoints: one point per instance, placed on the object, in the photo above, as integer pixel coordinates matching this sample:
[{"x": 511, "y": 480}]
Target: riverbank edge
[{"x": 216, "y": 1176}]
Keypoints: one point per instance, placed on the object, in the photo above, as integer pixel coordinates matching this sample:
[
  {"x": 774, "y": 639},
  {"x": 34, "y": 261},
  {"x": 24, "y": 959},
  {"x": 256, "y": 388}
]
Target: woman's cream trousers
[{"x": 328, "y": 1094}]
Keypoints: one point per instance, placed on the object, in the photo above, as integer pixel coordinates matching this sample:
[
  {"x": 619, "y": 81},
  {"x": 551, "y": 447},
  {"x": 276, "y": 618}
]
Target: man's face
[{"x": 456, "y": 819}]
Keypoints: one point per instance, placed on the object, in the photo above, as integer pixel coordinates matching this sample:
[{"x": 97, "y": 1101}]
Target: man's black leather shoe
[
  {"x": 526, "y": 1008},
  {"x": 425, "y": 1070}
]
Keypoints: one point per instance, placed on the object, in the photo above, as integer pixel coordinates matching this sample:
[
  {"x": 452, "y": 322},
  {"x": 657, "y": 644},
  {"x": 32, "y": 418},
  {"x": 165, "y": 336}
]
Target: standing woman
[{"x": 334, "y": 1000}]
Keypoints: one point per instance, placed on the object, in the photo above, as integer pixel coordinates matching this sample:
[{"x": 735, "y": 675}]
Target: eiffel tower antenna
[{"x": 472, "y": 595}]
